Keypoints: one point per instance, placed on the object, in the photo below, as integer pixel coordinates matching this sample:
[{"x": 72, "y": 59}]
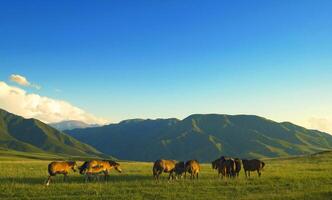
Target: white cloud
[
  {"x": 18, "y": 101},
  {"x": 322, "y": 124},
  {"x": 21, "y": 80}
]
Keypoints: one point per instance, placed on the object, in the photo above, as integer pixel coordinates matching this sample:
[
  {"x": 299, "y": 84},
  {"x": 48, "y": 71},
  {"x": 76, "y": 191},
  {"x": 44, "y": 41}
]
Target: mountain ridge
[
  {"x": 31, "y": 135},
  {"x": 203, "y": 137}
]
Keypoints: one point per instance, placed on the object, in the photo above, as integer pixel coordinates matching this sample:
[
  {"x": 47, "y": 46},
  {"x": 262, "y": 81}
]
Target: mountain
[
  {"x": 203, "y": 137},
  {"x": 71, "y": 124},
  {"x": 31, "y": 135}
]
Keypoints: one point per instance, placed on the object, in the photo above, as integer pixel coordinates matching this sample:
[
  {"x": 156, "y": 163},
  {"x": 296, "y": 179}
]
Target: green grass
[{"x": 307, "y": 177}]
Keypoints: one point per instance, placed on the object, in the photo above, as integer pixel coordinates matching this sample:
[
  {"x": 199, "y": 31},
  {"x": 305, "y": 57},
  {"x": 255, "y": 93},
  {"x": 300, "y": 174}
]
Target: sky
[{"x": 106, "y": 61}]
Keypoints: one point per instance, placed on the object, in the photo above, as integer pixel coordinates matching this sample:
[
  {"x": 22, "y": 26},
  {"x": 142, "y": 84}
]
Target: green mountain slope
[
  {"x": 203, "y": 137},
  {"x": 31, "y": 135}
]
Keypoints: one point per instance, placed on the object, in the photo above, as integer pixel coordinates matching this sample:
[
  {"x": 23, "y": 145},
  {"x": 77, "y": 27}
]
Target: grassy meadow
[{"x": 307, "y": 177}]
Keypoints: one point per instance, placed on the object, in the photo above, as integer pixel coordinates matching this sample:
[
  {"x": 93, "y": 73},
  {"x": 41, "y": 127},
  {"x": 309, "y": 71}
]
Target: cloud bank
[
  {"x": 48, "y": 110},
  {"x": 21, "y": 80}
]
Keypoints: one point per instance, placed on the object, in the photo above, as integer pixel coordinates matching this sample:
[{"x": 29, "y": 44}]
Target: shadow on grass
[{"x": 73, "y": 179}]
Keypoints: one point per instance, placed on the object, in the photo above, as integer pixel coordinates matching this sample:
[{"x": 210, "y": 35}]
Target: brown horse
[
  {"x": 95, "y": 167},
  {"x": 193, "y": 168},
  {"x": 167, "y": 166},
  {"x": 253, "y": 165},
  {"x": 62, "y": 167}
]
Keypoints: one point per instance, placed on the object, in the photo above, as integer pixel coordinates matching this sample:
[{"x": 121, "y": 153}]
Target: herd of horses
[{"x": 225, "y": 166}]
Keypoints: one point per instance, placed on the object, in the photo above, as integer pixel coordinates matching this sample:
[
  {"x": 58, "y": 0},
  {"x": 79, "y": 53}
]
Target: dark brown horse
[
  {"x": 237, "y": 166},
  {"x": 230, "y": 166},
  {"x": 220, "y": 167},
  {"x": 179, "y": 169},
  {"x": 193, "y": 168},
  {"x": 226, "y": 166},
  {"x": 62, "y": 167},
  {"x": 252, "y": 165}
]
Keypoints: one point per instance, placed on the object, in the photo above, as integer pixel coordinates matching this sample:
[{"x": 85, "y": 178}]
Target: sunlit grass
[{"x": 300, "y": 178}]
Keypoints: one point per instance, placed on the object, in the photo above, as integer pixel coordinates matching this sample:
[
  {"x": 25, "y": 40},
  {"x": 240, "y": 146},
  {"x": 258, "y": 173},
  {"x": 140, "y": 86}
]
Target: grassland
[{"x": 306, "y": 177}]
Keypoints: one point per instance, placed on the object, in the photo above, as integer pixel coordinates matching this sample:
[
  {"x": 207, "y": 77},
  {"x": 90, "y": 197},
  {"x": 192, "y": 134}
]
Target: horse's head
[{"x": 117, "y": 167}]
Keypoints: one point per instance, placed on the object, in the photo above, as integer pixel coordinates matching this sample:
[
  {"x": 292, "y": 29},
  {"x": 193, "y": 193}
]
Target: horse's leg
[
  {"x": 48, "y": 180},
  {"x": 197, "y": 175},
  {"x": 259, "y": 174},
  {"x": 158, "y": 175},
  {"x": 249, "y": 174},
  {"x": 65, "y": 177},
  {"x": 106, "y": 176},
  {"x": 89, "y": 177}
]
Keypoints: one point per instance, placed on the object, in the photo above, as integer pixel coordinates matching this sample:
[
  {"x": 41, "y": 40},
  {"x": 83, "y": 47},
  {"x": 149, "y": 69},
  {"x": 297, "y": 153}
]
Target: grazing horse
[
  {"x": 95, "y": 167},
  {"x": 253, "y": 165},
  {"x": 193, "y": 168},
  {"x": 237, "y": 166},
  {"x": 167, "y": 166},
  {"x": 179, "y": 169},
  {"x": 226, "y": 166},
  {"x": 220, "y": 167},
  {"x": 229, "y": 164},
  {"x": 62, "y": 167}
]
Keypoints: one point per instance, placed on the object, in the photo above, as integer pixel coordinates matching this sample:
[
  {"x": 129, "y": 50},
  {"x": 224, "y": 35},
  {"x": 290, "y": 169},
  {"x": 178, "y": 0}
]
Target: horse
[
  {"x": 179, "y": 169},
  {"x": 219, "y": 166},
  {"x": 226, "y": 166},
  {"x": 253, "y": 165},
  {"x": 167, "y": 166},
  {"x": 95, "y": 167},
  {"x": 193, "y": 168},
  {"x": 237, "y": 166},
  {"x": 60, "y": 167},
  {"x": 229, "y": 164}
]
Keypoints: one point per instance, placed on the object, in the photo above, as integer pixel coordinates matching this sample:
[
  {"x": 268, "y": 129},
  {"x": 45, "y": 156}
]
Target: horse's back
[
  {"x": 57, "y": 167},
  {"x": 252, "y": 165}
]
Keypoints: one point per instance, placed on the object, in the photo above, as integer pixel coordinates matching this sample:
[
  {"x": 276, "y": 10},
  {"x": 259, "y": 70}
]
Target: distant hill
[
  {"x": 71, "y": 124},
  {"x": 34, "y": 136},
  {"x": 203, "y": 137}
]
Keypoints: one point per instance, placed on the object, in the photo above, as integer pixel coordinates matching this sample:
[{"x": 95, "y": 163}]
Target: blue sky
[{"x": 151, "y": 59}]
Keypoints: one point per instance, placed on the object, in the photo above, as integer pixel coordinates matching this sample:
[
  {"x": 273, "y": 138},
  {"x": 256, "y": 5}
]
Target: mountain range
[
  {"x": 71, "y": 124},
  {"x": 203, "y": 137},
  {"x": 34, "y": 136}
]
